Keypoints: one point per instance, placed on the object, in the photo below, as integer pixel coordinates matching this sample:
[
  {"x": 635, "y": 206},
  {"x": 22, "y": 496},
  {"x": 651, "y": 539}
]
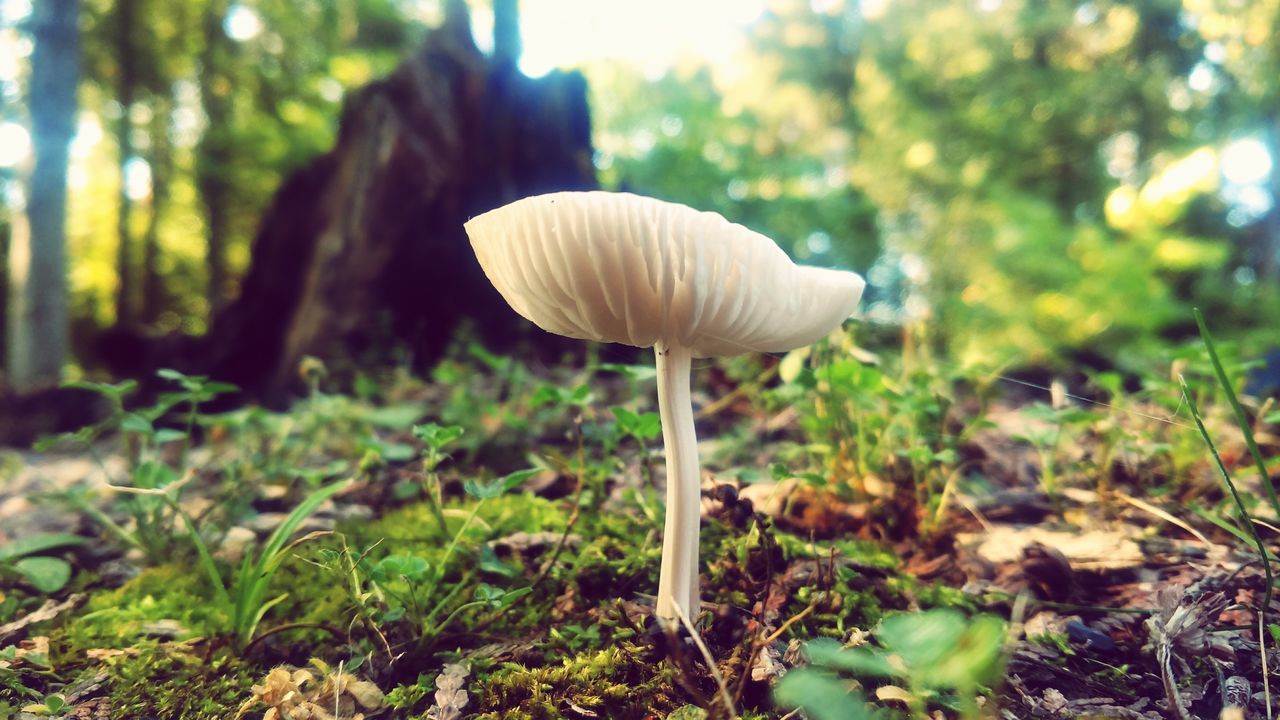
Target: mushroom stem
[{"x": 678, "y": 578}]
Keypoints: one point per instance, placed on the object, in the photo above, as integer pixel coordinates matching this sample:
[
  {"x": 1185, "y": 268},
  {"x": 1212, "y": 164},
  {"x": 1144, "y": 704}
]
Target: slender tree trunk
[
  {"x": 38, "y": 328},
  {"x": 128, "y": 80},
  {"x": 161, "y": 160},
  {"x": 214, "y": 154}
]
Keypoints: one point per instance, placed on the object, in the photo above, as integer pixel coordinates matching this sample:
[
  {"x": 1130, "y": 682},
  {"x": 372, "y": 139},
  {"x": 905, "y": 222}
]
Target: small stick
[{"x": 711, "y": 661}]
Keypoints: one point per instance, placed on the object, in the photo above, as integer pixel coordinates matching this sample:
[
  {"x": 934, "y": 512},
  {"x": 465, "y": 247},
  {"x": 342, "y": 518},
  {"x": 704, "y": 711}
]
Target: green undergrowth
[
  {"x": 168, "y": 683},
  {"x": 620, "y": 681},
  {"x": 169, "y": 598},
  {"x": 572, "y": 647},
  {"x": 543, "y": 598}
]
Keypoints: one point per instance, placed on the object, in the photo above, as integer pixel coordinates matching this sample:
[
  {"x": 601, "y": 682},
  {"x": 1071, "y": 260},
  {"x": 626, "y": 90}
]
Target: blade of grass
[
  {"x": 1241, "y": 419},
  {"x": 1244, "y": 514},
  {"x": 1246, "y": 522}
]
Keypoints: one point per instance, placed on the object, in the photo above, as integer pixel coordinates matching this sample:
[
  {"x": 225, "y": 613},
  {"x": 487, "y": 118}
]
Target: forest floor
[{"x": 880, "y": 539}]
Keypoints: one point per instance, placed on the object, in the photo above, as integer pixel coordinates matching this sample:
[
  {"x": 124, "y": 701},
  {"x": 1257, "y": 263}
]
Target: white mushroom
[{"x": 616, "y": 267}]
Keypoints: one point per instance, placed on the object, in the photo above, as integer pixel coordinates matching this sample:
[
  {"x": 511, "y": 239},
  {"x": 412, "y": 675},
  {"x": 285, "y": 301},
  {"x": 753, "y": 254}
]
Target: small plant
[
  {"x": 52, "y": 705},
  {"x": 152, "y": 485},
  {"x": 24, "y": 558},
  {"x": 934, "y": 658},
  {"x": 436, "y": 438},
  {"x": 414, "y": 589},
  {"x": 1052, "y": 428},
  {"x": 869, "y": 427}
]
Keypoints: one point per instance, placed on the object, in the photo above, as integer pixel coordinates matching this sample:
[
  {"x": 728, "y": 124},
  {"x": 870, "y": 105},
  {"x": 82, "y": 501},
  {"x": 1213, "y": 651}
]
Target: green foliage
[
  {"x": 873, "y": 428},
  {"x": 212, "y": 688},
  {"x": 940, "y": 656},
  {"x": 643, "y": 427},
  {"x": 170, "y": 593},
  {"x": 1021, "y": 178},
  {"x": 25, "y": 558},
  {"x": 616, "y": 681},
  {"x": 248, "y": 595},
  {"x": 150, "y": 491},
  {"x": 431, "y": 588}
]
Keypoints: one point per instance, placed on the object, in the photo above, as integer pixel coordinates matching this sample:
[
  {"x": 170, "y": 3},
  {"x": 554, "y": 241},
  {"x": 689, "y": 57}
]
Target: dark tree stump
[{"x": 364, "y": 250}]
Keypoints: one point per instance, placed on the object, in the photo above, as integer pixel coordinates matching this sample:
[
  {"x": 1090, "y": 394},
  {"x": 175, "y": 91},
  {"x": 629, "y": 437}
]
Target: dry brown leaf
[
  {"x": 1087, "y": 550},
  {"x": 314, "y": 693}
]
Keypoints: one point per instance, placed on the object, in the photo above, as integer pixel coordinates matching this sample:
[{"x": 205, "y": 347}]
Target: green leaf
[
  {"x": 135, "y": 423},
  {"x": 822, "y": 696},
  {"x": 922, "y": 639},
  {"x": 488, "y": 561},
  {"x": 974, "y": 659},
  {"x": 151, "y": 475},
  {"x": 861, "y": 662},
  {"x": 395, "y": 567},
  {"x": 636, "y": 373},
  {"x": 46, "y": 574},
  {"x": 166, "y": 435},
  {"x": 644, "y": 426},
  {"x": 214, "y": 389},
  {"x": 395, "y": 417},
  {"x": 437, "y": 436},
  {"x": 487, "y": 491},
  {"x": 39, "y": 543},
  {"x": 114, "y": 392}
]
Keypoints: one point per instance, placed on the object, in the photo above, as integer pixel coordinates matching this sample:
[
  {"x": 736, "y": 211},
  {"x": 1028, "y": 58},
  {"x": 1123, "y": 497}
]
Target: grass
[{"x": 509, "y": 535}]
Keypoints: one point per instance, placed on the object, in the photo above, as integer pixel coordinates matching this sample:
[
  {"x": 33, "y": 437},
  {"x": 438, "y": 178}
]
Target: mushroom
[{"x": 621, "y": 268}]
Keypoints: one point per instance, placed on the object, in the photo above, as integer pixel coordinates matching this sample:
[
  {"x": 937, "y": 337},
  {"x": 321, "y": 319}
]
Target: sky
[{"x": 650, "y": 34}]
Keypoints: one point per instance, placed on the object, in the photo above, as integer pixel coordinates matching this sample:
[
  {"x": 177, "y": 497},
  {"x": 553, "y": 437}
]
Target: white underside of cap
[{"x": 617, "y": 267}]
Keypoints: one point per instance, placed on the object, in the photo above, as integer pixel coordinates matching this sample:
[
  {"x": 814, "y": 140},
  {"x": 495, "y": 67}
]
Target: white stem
[{"x": 678, "y": 579}]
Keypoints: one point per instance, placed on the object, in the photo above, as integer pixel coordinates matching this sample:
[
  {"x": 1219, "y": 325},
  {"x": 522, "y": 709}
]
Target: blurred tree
[
  {"x": 1242, "y": 67},
  {"x": 160, "y": 160},
  {"x": 37, "y": 323},
  {"x": 984, "y": 136},
  {"x": 126, "y": 27},
  {"x": 1034, "y": 170},
  {"x": 217, "y": 145}
]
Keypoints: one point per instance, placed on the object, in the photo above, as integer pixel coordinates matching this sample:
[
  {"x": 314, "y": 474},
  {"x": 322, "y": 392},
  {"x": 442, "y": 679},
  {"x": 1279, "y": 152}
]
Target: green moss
[
  {"x": 165, "y": 683},
  {"x": 939, "y": 595},
  {"x": 612, "y": 682},
  {"x": 413, "y": 530},
  {"x": 119, "y": 617}
]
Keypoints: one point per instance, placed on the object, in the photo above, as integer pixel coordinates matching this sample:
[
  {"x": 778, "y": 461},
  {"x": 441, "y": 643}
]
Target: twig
[
  {"x": 728, "y": 398},
  {"x": 711, "y": 661},
  {"x": 286, "y": 627},
  {"x": 1152, "y": 509},
  {"x": 791, "y": 621}
]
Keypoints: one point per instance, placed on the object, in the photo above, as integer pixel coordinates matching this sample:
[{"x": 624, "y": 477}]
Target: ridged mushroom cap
[{"x": 617, "y": 267}]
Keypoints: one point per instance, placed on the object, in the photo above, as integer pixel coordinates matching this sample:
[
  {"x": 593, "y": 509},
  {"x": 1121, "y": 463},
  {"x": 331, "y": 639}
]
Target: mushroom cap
[{"x": 617, "y": 267}]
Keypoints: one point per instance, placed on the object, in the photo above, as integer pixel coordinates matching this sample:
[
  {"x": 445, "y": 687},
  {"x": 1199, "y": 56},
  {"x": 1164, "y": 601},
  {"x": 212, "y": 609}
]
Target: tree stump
[{"x": 363, "y": 250}]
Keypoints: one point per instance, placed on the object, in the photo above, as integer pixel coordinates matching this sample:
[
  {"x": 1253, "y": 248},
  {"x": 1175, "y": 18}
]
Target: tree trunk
[
  {"x": 361, "y": 257},
  {"x": 214, "y": 155},
  {"x": 37, "y": 346},
  {"x": 161, "y": 160},
  {"x": 127, "y": 84}
]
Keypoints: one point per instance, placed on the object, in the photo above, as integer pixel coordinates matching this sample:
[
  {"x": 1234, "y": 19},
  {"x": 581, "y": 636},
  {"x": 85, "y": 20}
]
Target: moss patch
[
  {"x": 166, "y": 683},
  {"x": 153, "y": 601},
  {"x": 616, "y": 682}
]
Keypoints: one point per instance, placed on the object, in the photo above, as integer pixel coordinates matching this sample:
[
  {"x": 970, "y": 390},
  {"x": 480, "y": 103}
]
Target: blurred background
[{"x": 1022, "y": 182}]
